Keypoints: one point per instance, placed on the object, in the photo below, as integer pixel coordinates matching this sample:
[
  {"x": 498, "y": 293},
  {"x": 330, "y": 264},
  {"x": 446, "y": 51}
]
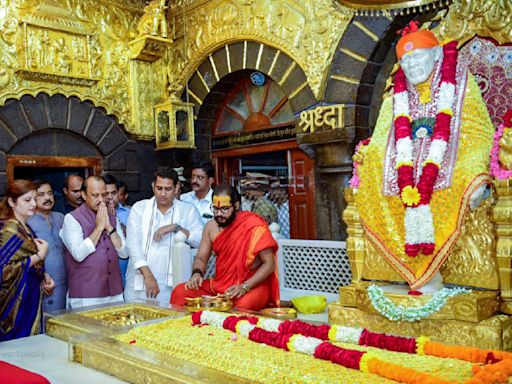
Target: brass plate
[
  {"x": 280, "y": 313},
  {"x": 127, "y": 314},
  {"x": 104, "y": 321}
]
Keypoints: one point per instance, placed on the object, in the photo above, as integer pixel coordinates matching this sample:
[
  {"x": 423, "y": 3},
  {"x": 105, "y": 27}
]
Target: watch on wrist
[
  {"x": 246, "y": 287},
  {"x": 112, "y": 231},
  {"x": 197, "y": 270},
  {"x": 177, "y": 227}
]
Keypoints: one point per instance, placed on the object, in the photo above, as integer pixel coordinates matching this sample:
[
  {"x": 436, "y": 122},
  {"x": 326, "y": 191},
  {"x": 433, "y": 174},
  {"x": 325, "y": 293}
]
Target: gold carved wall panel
[
  {"x": 79, "y": 48},
  {"x": 147, "y": 86},
  {"x": 308, "y": 31}
]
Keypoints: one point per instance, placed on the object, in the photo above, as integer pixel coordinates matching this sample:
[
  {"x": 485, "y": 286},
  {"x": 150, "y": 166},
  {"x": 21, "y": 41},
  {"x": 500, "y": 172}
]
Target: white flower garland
[
  {"x": 269, "y": 324},
  {"x": 419, "y": 223},
  {"x": 345, "y": 334},
  {"x": 394, "y": 312},
  {"x": 243, "y": 328},
  {"x": 337, "y": 333},
  {"x": 304, "y": 344},
  {"x": 213, "y": 318}
]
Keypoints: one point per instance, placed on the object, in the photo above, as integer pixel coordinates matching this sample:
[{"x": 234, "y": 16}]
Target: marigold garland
[
  {"x": 498, "y": 370},
  {"x": 461, "y": 352},
  {"x": 401, "y": 374}
]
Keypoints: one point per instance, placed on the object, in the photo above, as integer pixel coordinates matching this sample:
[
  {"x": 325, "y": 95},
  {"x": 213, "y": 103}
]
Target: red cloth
[
  {"x": 236, "y": 248},
  {"x": 12, "y": 374}
]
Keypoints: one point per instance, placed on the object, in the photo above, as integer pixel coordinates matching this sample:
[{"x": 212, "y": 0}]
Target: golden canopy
[{"x": 376, "y": 7}]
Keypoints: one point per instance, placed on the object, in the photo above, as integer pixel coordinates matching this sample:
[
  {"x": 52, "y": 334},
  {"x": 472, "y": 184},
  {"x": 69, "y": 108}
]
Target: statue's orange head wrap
[{"x": 413, "y": 39}]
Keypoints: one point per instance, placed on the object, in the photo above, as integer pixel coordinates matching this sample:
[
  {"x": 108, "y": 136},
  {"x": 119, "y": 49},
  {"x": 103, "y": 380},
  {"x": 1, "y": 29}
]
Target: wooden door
[
  {"x": 302, "y": 196},
  {"x": 91, "y": 165},
  {"x": 227, "y": 169}
]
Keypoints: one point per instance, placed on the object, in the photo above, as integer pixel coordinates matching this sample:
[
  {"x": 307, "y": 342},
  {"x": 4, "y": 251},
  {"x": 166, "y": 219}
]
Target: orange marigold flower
[{"x": 402, "y": 374}]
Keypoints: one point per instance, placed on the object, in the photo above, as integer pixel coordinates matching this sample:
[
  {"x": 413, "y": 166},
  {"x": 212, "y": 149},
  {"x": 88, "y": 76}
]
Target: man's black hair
[
  {"x": 166, "y": 173},
  {"x": 66, "y": 180},
  {"x": 122, "y": 184},
  {"x": 109, "y": 179},
  {"x": 206, "y": 166},
  {"x": 39, "y": 182}
]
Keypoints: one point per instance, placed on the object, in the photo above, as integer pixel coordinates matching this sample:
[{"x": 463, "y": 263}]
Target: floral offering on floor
[{"x": 274, "y": 351}]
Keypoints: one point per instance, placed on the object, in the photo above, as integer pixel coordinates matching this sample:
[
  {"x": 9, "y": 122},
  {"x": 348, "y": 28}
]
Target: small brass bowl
[
  {"x": 193, "y": 304},
  {"x": 211, "y": 303}
]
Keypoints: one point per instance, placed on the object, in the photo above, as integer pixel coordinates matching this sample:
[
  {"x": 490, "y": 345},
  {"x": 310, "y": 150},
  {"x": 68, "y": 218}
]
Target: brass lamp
[{"x": 174, "y": 123}]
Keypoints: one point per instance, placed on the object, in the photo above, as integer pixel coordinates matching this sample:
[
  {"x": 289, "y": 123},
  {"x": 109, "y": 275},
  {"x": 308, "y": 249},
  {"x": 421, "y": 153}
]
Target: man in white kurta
[
  {"x": 152, "y": 226},
  {"x": 201, "y": 194}
]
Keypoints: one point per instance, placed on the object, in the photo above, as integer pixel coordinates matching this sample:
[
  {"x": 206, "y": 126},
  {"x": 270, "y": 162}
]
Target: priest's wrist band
[
  {"x": 197, "y": 270},
  {"x": 246, "y": 287}
]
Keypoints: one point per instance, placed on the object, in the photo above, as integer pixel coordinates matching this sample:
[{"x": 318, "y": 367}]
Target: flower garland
[
  {"x": 355, "y": 181},
  {"x": 391, "y": 311},
  {"x": 496, "y": 169},
  {"x": 419, "y": 224},
  {"x": 500, "y": 367}
]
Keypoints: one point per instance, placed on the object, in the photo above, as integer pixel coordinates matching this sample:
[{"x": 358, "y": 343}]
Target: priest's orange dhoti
[{"x": 237, "y": 247}]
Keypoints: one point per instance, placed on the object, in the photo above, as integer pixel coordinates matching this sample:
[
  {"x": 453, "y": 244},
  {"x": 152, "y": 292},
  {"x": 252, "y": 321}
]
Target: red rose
[
  {"x": 400, "y": 82},
  {"x": 196, "y": 317},
  {"x": 507, "y": 119}
]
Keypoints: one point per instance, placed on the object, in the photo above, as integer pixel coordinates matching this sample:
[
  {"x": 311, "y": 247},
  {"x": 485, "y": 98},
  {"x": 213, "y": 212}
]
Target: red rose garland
[
  {"x": 497, "y": 368},
  {"x": 419, "y": 227}
]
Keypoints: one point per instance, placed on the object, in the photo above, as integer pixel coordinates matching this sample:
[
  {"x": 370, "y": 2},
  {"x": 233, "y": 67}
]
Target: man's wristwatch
[
  {"x": 177, "y": 227},
  {"x": 197, "y": 270},
  {"x": 246, "y": 287},
  {"x": 112, "y": 231}
]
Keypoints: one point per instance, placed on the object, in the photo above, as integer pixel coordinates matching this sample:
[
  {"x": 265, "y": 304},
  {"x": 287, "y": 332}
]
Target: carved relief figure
[
  {"x": 79, "y": 48},
  {"x": 8, "y": 26},
  {"x": 288, "y": 23},
  {"x": 34, "y": 52},
  {"x": 153, "y": 21},
  {"x": 61, "y": 53},
  {"x": 47, "y": 52}
]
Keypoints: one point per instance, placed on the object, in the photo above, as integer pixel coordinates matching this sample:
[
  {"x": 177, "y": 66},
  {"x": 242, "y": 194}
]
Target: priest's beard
[{"x": 225, "y": 221}]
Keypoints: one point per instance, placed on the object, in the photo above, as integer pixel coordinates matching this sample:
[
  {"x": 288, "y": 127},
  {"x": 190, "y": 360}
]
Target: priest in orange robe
[{"x": 246, "y": 268}]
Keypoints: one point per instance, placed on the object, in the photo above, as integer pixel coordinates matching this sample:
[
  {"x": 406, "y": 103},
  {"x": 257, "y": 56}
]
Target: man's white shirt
[
  {"x": 204, "y": 206},
  {"x": 144, "y": 220},
  {"x": 80, "y": 248}
]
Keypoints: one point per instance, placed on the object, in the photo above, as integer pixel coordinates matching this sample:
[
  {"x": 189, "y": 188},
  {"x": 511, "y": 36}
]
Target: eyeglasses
[{"x": 221, "y": 209}]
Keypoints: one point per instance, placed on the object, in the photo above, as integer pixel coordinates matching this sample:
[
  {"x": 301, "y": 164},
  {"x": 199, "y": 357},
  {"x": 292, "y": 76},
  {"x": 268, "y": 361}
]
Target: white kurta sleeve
[
  {"x": 134, "y": 235},
  {"x": 123, "y": 251},
  {"x": 194, "y": 224},
  {"x": 72, "y": 235}
]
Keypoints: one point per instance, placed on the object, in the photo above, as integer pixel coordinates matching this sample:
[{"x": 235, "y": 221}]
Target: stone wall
[{"x": 59, "y": 126}]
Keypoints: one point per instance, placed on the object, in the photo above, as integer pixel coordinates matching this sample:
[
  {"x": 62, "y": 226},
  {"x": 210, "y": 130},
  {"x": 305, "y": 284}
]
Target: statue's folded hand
[{"x": 476, "y": 198}]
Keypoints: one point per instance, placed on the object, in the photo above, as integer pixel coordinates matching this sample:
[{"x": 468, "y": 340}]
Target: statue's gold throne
[{"x": 482, "y": 256}]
